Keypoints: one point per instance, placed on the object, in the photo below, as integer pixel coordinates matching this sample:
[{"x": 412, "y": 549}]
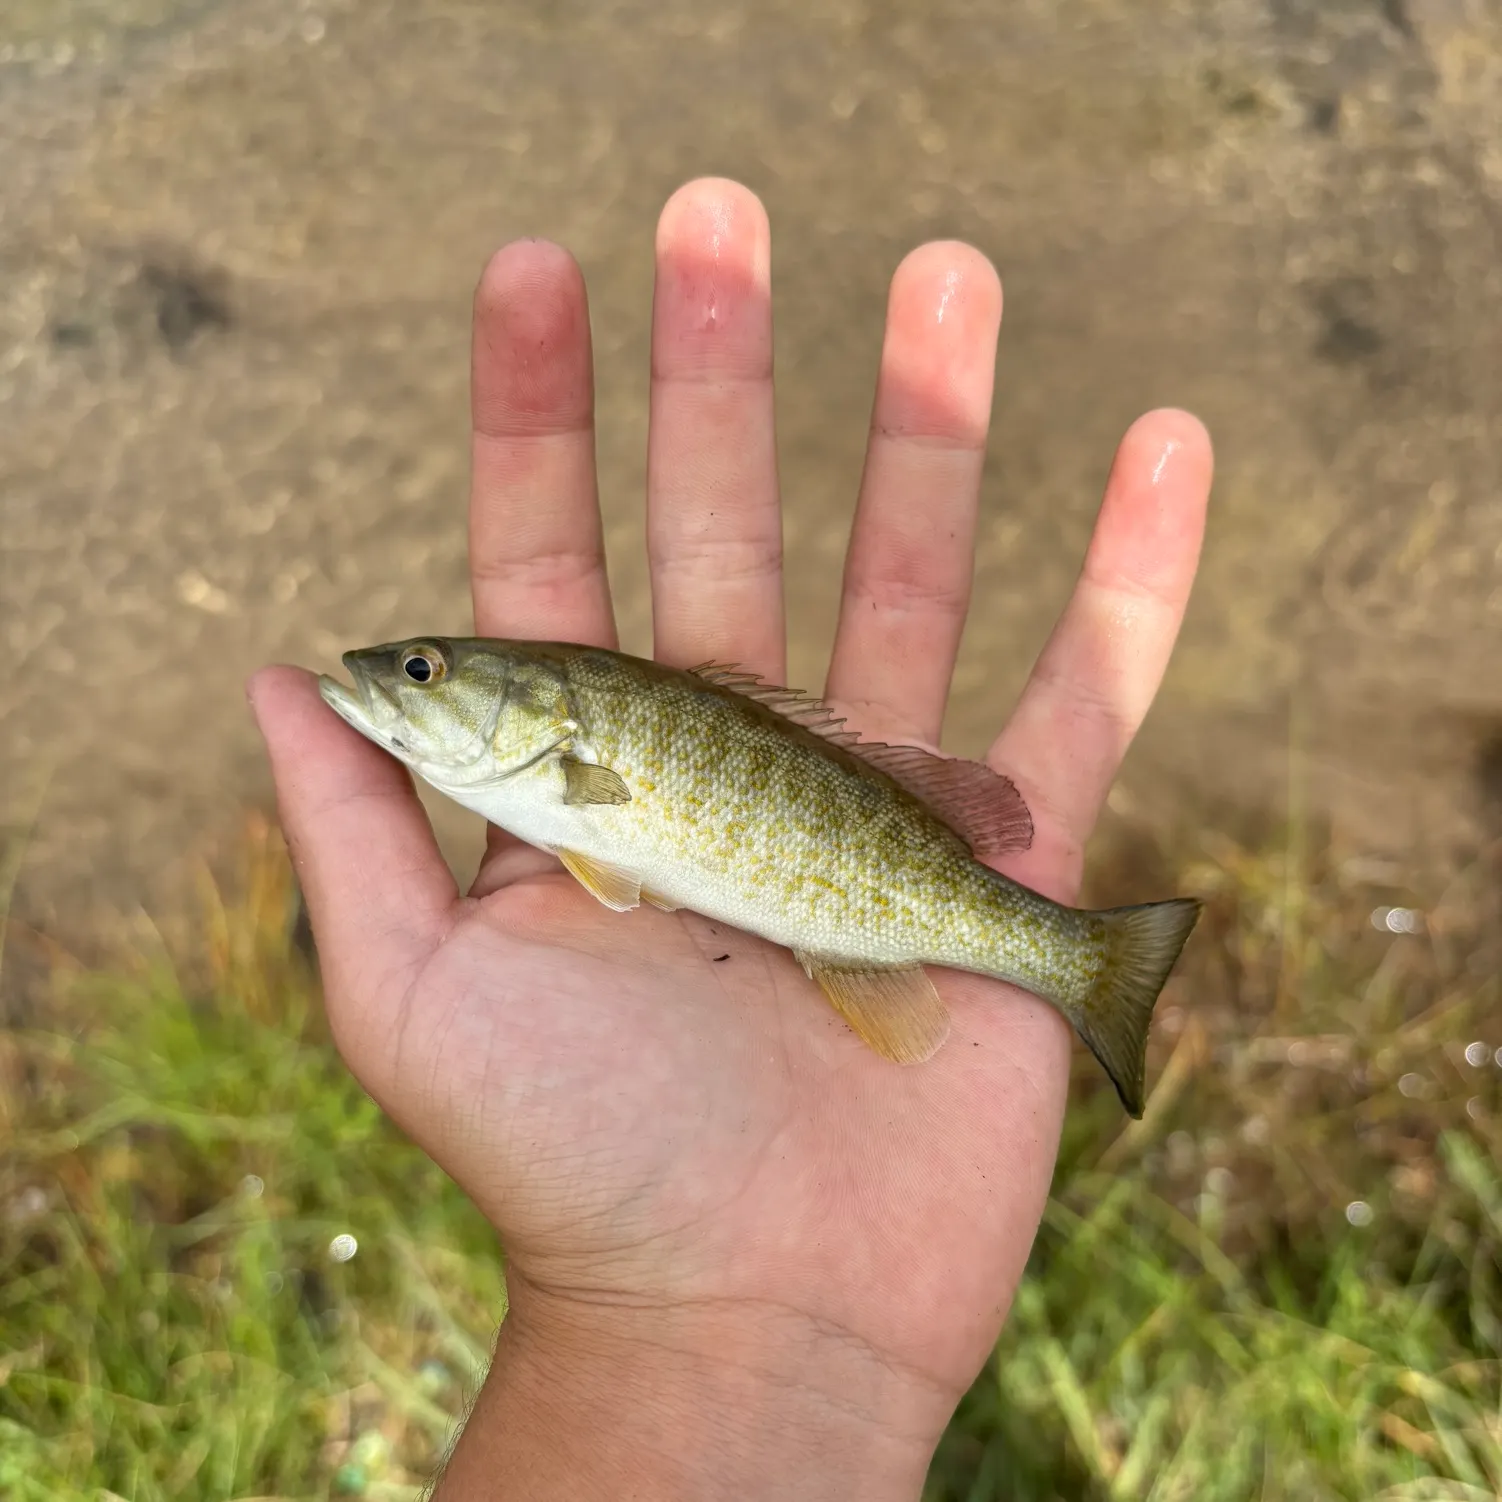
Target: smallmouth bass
[{"x": 709, "y": 790}]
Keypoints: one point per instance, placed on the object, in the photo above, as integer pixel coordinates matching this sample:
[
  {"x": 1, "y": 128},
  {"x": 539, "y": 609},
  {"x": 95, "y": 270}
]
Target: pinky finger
[{"x": 1097, "y": 677}]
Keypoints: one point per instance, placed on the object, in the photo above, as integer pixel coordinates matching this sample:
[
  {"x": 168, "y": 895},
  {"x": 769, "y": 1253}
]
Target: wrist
[{"x": 590, "y": 1401}]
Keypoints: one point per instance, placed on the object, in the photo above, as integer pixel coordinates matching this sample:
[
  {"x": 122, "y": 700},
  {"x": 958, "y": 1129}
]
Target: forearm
[{"x": 769, "y": 1408}]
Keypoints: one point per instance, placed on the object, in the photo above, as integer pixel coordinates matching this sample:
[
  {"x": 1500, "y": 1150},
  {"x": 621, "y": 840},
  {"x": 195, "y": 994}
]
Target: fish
[{"x": 710, "y": 790}]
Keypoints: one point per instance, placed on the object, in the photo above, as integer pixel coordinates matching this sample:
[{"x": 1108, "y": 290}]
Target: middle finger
[{"x": 714, "y": 521}]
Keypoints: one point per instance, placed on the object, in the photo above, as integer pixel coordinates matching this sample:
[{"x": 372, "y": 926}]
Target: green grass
[{"x": 179, "y": 1147}]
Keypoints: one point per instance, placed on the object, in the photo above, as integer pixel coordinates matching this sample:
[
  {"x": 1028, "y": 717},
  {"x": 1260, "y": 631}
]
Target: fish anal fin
[
  {"x": 893, "y": 1009},
  {"x": 981, "y": 806},
  {"x": 587, "y": 782},
  {"x": 616, "y": 888}
]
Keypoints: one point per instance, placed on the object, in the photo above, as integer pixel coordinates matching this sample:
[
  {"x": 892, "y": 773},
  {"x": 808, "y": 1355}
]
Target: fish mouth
[{"x": 367, "y": 707}]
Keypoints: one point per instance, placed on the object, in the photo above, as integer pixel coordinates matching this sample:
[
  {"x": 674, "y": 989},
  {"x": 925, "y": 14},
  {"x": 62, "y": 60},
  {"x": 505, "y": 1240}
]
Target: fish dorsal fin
[
  {"x": 981, "y": 806},
  {"x": 893, "y": 1009},
  {"x": 791, "y": 703},
  {"x": 618, "y": 889}
]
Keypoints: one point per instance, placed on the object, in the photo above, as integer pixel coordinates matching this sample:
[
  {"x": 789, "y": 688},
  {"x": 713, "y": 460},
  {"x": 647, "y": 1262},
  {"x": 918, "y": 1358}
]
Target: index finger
[{"x": 536, "y": 549}]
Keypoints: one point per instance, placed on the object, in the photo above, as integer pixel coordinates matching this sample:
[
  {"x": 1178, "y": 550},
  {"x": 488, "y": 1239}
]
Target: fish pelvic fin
[{"x": 1142, "y": 945}]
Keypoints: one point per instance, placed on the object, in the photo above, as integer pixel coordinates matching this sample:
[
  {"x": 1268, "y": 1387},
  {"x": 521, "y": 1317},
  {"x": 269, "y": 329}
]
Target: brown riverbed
[{"x": 237, "y": 246}]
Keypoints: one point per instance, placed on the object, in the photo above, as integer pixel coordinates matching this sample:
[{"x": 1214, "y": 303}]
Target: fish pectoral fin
[
  {"x": 656, "y": 901},
  {"x": 616, "y": 888},
  {"x": 587, "y": 782},
  {"x": 893, "y": 1009}
]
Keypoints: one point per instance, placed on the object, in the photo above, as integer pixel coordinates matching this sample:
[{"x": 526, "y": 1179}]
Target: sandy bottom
[{"x": 238, "y": 242}]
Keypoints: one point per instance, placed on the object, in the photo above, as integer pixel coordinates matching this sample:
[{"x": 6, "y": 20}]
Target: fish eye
[{"x": 424, "y": 664}]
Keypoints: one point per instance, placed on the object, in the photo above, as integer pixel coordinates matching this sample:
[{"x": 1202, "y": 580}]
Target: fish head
[{"x": 432, "y": 702}]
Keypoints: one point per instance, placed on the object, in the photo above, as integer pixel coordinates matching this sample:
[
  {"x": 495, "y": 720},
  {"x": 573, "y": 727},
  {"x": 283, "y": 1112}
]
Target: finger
[
  {"x": 1098, "y": 675},
  {"x": 378, "y": 891},
  {"x": 714, "y": 523},
  {"x": 907, "y": 573},
  {"x": 537, "y": 558}
]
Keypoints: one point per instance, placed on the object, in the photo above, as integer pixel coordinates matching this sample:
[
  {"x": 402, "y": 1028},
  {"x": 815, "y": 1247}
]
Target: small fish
[{"x": 708, "y": 789}]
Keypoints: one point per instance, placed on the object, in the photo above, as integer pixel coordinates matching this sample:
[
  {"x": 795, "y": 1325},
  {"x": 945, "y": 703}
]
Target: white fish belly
[{"x": 779, "y": 887}]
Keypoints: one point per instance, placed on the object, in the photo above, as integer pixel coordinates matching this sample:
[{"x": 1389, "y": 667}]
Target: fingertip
[
  {"x": 946, "y": 280},
  {"x": 1151, "y": 525},
  {"x": 523, "y": 267},
  {"x": 718, "y": 219},
  {"x": 939, "y": 354},
  {"x": 532, "y": 360},
  {"x": 1171, "y": 445},
  {"x": 268, "y": 689},
  {"x": 712, "y": 311}
]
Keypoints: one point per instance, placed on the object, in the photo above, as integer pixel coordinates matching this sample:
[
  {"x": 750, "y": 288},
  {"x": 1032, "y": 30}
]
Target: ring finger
[{"x": 908, "y": 569}]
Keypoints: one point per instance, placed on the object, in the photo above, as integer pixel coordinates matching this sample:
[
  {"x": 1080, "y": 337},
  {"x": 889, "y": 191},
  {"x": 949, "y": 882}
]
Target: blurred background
[{"x": 238, "y": 240}]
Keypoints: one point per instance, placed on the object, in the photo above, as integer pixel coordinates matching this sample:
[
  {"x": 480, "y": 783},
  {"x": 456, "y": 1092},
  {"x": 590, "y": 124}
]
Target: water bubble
[
  {"x": 343, "y": 1247},
  {"x": 1411, "y": 1085},
  {"x": 433, "y": 1376},
  {"x": 314, "y": 30},
  {"x": 252, "y": 1186},
  {"x": 274, "y": 1282},
  {"x": 1497, "y": 1058},
  {"x": 1476, "y": 1054},
  {"x": 1300, "y": 1052},
  {"x": 1255, "y": 1131},
  {"x": 1474, "y": 1108},
  {"x": 1404, "y": 920},
  {"x": 1359, "y": 1213}
]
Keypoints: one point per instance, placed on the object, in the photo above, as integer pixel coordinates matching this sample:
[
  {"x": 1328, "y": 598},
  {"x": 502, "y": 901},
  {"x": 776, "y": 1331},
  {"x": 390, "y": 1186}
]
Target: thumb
[{"x": 378, "y": 891}]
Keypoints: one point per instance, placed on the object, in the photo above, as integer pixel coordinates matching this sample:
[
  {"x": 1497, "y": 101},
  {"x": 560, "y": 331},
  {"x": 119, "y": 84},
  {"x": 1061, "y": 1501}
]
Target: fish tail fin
[{"x": 1141, "y": 945}]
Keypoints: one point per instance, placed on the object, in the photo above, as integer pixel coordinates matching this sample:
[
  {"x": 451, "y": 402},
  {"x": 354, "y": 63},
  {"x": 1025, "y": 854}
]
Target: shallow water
[{"x": 238, "y": 242}]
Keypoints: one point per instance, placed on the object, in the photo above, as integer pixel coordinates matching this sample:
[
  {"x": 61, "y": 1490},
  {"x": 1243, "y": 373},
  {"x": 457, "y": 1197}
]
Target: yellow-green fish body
[{"x": 707, "y": 790}]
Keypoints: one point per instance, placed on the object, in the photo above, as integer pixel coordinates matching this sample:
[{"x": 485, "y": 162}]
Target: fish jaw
[
  {"x": 368, "y": 709},
  {"x": 372, "y": 710}
]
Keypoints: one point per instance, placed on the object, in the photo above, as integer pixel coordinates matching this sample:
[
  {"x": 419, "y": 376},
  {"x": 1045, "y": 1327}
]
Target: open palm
[{"x": 667, "y": 1124}]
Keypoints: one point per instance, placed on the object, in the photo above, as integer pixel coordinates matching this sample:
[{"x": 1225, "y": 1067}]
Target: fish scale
[
  {"x": 827, "y": 855},
  {"x": 709, "y": 790}
]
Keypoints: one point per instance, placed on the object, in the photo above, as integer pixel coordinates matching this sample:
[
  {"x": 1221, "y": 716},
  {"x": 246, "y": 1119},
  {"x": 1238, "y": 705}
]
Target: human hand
[{"x": 746, "y": 1256}]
